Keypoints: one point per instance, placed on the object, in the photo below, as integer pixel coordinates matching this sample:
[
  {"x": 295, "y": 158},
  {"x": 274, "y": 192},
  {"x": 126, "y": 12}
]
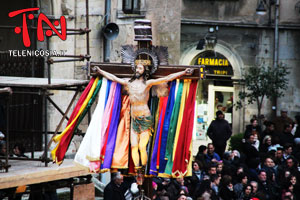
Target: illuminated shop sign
[{"x": 215, "y": 63}]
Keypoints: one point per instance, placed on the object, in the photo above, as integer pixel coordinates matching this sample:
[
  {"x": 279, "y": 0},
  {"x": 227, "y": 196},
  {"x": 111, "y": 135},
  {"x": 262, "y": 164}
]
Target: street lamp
[
  {"x": 261, "y": 10},
  {"x": 209, "y": 41},
  {"x": 262, "y": 7}
]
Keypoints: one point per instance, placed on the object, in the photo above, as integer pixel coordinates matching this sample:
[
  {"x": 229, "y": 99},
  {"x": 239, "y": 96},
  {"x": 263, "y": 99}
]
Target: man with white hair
[
  {"x": 255, "y": 187},
  {"x": 113, "y": 190}
]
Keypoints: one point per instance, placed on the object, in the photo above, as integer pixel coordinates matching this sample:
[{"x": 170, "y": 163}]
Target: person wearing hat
[
  {"x": 281, "y": 120},
  {"x": 219, "y": 131}
]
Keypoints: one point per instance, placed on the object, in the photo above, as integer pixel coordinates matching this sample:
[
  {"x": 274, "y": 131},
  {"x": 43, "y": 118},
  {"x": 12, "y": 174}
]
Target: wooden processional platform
[{"x": 24, "y": 172}]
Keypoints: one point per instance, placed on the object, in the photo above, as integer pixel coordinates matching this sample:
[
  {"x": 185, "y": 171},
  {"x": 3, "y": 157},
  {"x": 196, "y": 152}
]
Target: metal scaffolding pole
[{"x": 8, "y": 102}]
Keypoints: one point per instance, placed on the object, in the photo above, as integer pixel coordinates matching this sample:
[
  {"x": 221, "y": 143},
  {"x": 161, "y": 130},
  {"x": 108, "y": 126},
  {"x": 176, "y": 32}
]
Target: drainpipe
[
  {"x": 276, "y": 42},
  {"x": 106, "y": 42},
  {"x": 276, "y": 46}
]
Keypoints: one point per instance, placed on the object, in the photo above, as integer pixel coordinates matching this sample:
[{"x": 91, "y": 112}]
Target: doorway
[{"x": 220, "y": 98}]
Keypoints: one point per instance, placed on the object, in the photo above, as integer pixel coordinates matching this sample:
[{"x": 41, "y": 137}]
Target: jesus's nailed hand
[
  {"x": 96, "y": 70},
  {"x": 189, "y": 71}
]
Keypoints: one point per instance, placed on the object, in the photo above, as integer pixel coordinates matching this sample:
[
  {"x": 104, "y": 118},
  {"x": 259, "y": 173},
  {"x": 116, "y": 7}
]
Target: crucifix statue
[{"x": 138, "y": 88}]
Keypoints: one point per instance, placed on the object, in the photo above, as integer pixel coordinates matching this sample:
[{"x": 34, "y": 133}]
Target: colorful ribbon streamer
[{"x": 65, "y": 137}]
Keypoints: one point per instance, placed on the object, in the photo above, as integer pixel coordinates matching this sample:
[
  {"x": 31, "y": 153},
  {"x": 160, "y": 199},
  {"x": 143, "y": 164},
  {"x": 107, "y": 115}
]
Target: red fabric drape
[{"x": 182, "y": 154}]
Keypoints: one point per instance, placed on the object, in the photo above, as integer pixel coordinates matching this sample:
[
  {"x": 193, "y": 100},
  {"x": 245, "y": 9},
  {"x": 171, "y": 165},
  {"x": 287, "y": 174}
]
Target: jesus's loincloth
[{"x": 141, "y": 124}]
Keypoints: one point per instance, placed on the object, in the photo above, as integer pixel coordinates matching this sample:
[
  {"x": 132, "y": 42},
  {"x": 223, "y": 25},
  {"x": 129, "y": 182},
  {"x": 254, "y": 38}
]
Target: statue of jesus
[{"x": 141, "y": 120}]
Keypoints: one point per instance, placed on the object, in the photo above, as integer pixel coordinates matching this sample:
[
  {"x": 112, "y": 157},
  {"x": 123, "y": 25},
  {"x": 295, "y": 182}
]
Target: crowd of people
[{"x": 265, "y": 168}]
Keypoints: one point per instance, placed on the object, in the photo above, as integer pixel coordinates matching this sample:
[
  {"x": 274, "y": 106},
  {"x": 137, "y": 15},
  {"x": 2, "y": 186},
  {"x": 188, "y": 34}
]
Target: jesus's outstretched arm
[
  {"x": 170, "y": 77},
  {"x": 110, "y": 76}
]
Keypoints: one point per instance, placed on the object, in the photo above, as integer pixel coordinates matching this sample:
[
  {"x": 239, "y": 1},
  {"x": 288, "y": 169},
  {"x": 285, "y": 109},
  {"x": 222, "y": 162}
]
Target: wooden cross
[{"x": 143, "y": 36}]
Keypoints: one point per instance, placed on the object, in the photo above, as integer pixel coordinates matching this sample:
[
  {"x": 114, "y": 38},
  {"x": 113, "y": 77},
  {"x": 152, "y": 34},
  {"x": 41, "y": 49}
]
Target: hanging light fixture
[
  {"x": 210, "y": 39},
  {"x": 261, "y": 10}
]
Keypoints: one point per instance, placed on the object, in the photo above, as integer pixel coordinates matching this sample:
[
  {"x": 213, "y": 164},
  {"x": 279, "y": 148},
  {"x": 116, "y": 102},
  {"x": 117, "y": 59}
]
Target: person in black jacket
[
  {"x": 197, "y": 176},
  {"x": 113, "y": 190},
  {"x": 250, "y": 151},
  {"x": 266, "y": 143},
  {"x": 200, "y": 157},
  {"x": 174, "y": 188},
  {"x": 286, "y": 137},
  {"x": 264, "y": 186},
  {"x": 226, "y": 189},
  {"x": 219, "y": 131},
  {"x": 269, "y": 130},
  {"x": 253, "y": 127}
]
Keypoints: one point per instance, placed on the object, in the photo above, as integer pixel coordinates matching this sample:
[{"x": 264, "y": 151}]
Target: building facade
[{"x": 240, "y": 38}]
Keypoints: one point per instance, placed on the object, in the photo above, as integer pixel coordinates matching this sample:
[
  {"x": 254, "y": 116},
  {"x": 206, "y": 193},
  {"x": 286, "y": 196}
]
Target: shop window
[
  {"x": 131, "y": 6},
  {"x": 201, "y": 111}
]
